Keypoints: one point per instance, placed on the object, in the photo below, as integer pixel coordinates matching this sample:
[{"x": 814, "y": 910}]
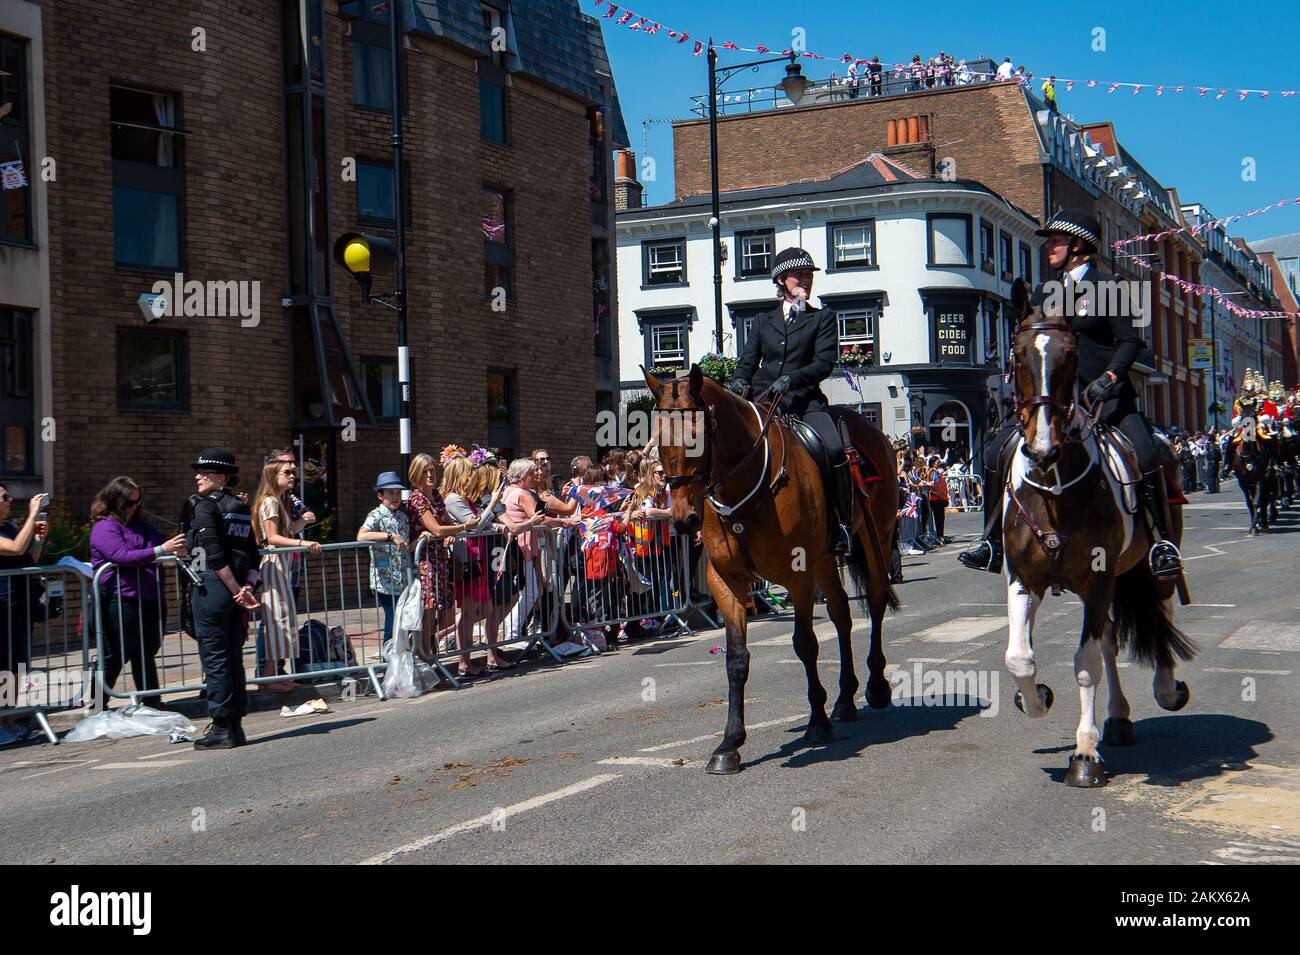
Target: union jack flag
[
  {"x": 913, "y": 502},
  {"x": 493, "y": 229}
]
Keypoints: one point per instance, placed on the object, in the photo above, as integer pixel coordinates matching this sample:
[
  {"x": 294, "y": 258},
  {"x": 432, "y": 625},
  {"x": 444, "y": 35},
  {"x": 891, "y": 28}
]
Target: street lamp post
[
  {"x": 793, "y": 86},
  {"x": 399, "y": 216}
]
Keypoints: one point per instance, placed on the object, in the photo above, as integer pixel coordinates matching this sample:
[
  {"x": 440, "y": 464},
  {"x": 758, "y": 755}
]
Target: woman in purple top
[{"x": 132, "y": 592}]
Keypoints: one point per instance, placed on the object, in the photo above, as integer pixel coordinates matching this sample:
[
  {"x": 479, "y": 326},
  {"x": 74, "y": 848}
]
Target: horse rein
[{"x": 712, "y": 487}]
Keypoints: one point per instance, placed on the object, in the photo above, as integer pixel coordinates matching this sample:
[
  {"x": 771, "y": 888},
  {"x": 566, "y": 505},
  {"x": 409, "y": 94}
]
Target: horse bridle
[{"x": 711, "y": 486}]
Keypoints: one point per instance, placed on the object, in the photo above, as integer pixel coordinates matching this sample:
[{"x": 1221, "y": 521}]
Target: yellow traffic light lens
[{"x": 356, "y": 256}]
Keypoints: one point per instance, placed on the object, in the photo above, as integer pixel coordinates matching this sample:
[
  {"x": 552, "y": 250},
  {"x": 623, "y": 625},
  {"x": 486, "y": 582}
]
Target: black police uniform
[
  {"x": 223, "y": 529},
  {"x": 804, "y": 349}
]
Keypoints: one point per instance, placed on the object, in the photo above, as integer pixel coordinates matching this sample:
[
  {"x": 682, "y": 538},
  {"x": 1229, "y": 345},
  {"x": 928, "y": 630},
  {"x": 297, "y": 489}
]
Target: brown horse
[
  {"x": 740, "y": 476},
  {"x": 1071, "y": 522}
]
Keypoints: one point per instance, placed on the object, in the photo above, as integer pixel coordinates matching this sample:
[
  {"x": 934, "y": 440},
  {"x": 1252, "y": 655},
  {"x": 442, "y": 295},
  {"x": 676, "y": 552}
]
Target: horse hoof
[
  {"x": 879, "y": 694},
  {"x": 1117, "y": 731},
  {"x": 723, "y": 764},
  {"x": 819, "y": 733},
  {"x": 1086, "y": 772},
  {"x": 844, "y": 712},
  {"x": 1182, "y": 693},
  {"x": 1044, "y": 693}
]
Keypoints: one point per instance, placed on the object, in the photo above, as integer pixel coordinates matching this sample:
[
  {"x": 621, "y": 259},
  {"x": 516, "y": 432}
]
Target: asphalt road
[{"x": 601, "y": 760}]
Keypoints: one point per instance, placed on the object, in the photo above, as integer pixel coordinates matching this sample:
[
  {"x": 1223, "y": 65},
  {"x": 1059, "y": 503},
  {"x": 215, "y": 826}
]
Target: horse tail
[
  {"x": 1144, "y": 625},
  {"x": 859, "y": 563}
]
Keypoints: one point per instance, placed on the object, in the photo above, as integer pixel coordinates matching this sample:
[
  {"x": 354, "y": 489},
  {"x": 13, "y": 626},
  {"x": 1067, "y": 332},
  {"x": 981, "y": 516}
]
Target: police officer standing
[{"x": 220, "y": 541}]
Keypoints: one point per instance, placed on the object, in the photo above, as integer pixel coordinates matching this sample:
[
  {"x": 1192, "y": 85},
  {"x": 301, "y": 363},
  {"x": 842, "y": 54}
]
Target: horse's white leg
[
  {"x": 1086, "y": 767},
  {"x": 1022, "y": 604},
  {"x": 1170, "y": 693}
]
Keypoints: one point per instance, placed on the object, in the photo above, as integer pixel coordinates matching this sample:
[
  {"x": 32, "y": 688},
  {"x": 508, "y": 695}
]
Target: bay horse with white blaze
[
  {"x": 1071, "y": 522},
  {"x": 740, "y": 476}
]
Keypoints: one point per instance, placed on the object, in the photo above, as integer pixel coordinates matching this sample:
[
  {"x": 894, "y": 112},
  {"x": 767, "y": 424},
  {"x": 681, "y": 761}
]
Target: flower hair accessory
[
  {"x": 480, "y": 456},
  {"x": 450, "y": 453}
]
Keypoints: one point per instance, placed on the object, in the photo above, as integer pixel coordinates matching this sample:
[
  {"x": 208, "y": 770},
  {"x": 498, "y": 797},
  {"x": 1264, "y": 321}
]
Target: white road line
[
  {"x": 178, "y": 762},
  {"x": 960, "y": 629},
  {"x": 667, "y": 762},
  {"x": 690, "y": 663},
  {"x": 498, "y": 815},
  {"x": 155, "y": 756},
  {"x": 1214, "y": 548},
  {"x": 47, "y": 772},
  {"x": 708, "y": 736},
  {"x": 1196, "y": 603},
  {"x": 1258, "y": 672}
]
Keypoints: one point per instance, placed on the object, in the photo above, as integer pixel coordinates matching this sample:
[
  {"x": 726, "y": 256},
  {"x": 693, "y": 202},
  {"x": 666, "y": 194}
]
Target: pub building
[{"x": 918, "y": 271}]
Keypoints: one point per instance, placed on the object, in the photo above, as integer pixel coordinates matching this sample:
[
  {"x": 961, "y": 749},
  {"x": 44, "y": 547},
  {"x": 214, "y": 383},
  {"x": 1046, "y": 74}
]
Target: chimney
[{"x": 627, "y": 190}]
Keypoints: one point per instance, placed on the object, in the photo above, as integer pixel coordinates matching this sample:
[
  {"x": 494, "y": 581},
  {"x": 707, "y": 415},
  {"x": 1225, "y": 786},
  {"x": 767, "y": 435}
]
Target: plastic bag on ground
[
  {"x": 138, "y": 720},
  {"x": 401, "y": 681}
]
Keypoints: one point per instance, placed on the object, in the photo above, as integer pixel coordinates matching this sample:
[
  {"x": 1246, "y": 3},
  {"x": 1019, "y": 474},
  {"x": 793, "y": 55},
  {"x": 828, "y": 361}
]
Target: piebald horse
[
  {"x": 738, "y": 475},
  {"x": 1071, "y": 522},
  {"x": 1252, "y": 463}
]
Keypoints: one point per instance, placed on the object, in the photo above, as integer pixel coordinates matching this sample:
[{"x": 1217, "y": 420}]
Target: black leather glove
[
  {"x": 1100, "y": 389},
  {"x": 737, "y": 386},
  {"x": 781, "y": 385}
]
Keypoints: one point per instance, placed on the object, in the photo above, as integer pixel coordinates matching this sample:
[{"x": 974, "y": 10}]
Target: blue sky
[{"x": 1196, "y": 145}]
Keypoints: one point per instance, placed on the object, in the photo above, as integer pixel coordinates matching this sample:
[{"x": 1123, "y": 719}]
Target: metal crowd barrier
[
  {"x": 643, "y": 574},
  {"x": 337, "y": 622},
  {"x": 965, "y": 492},
  {"x": 496, "y": 597},
  {"x": 44, "y": 642}
]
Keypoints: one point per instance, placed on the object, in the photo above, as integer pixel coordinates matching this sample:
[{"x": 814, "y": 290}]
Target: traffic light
[{"x": 362, "y": 253}]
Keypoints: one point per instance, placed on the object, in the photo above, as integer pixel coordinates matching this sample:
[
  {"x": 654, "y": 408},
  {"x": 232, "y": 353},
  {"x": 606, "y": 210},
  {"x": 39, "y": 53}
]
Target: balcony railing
[{"x": 839, "y": 90}]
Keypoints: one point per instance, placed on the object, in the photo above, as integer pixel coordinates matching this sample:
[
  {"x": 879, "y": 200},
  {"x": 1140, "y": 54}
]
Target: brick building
[
  {"x": 234, "y": 144},
  {"x": 995, "y": 133}
]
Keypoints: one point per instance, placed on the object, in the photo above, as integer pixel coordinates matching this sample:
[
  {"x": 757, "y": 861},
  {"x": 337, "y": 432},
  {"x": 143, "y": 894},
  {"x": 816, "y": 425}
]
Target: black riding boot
[
  {"x": 840, "y": 518},
  {"x": 220, "y": 735},
  {"x": 986, "y": 553},
  {"x": 1164, "y": 558}
]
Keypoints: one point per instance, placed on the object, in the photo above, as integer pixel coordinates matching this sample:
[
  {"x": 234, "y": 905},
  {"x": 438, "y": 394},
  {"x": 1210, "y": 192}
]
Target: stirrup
[
  {"x": 1165, "y": 554},
  {"x": 982, "y": 555},
  {"x": 841, "y": 541}
]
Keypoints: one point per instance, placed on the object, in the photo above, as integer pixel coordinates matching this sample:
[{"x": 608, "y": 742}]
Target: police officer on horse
[
  {"x": 788, "y": 353},
  {"x": 1108, "y": 344}
]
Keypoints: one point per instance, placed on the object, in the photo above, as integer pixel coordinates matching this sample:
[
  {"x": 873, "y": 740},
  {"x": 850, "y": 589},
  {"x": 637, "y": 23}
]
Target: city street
[{"x": 601, "y": 760}]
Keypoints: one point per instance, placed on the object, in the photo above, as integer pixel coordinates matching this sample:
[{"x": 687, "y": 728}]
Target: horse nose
[
  {"x": 1051, "y": 456},
  {"x": 691, "y": 525}
]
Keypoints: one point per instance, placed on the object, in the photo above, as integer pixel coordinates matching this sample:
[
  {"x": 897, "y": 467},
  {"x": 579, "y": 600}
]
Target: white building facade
[{"x": 919, "y": 274}]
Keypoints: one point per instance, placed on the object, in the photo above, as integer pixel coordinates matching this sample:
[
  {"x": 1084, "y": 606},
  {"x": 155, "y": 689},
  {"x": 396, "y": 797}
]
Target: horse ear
[
  {"x": 697, "y": 380},
  {"x": 655, "y": 384},
  {"x": 1019, "y": 298}
]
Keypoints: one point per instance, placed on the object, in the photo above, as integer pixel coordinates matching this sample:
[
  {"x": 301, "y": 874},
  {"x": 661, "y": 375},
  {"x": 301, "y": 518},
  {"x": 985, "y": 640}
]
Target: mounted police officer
[
  {"x": 220, "y": 540},
  {"x": 1108, "y": 344},
  {"x": 788, "y": 352}
]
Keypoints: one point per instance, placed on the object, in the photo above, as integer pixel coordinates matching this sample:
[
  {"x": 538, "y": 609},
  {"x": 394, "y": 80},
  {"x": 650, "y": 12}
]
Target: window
[
  {"x": 1026, "y": 264},
  {"x": 497, "y": 255},
  {"x": 152, "y": 368},
  {"x": 376, "y": 198},
  {"x": 664, "y": 262},
  {"x": 372, "y": 76},
  {"x": 379, "y": 376},
  {"x": 668, "y": 345},
  {"x": 148, "y": 175},
  {"x": 742, "y": 320},
  {"x": 492, "y": 80},
  {"x": 950, "y": 240},
  {"x": 857, "y": 326},
  {"x": 754, "y": 253},
  {"x": 15, "y": 143},
  {"x": 17, "y": 406},
  {"x": 852, "y": 245},
  {"x": 986, "y": 246},
  {"x": 1006, "y": 258},
  {"x": 501, "y": 411}
]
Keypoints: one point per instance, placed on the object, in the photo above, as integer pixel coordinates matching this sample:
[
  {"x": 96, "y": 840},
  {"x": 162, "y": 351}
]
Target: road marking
[
  {"x": 708, "y": 736},
  {"x": 1214, "y": 548},
  {"x": 497, "y": 816},
  {"x": 1197, "y": 604},
  {"x": 922, "y": 660},
  {"x": 178, "y": 762},
  {"x": 156, "y": 756},
  {"x": 1264, "y": 635},
  {"x": 1259, "y": 672},
  {"x": 666, "y": 762},
  {"x": 690, "y": 663},
  {"x": 961, "y": 629},
  {"x": 80, "y": 762}
]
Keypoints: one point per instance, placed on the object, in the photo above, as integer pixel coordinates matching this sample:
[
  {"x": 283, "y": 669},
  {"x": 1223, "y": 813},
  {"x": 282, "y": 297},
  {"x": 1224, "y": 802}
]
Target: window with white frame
[
  {"x": 665, "y": 262},
  {"x": 755, "y": 256},
  {"x": 668, "y": 345},
  {"x": 853, "y": 244},
  {"x": 857, "y": 326},
  {"x": 950, "y": 239}
]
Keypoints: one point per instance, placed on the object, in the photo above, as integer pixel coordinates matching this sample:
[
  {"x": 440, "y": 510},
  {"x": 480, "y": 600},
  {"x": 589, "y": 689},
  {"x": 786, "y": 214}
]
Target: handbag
[{"x": 467, "y": 559}]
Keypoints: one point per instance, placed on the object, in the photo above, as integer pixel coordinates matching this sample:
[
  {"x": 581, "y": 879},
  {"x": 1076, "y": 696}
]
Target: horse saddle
[
  {"x": 865, "y": 470},
  {"x": 1115, "y": 447}
]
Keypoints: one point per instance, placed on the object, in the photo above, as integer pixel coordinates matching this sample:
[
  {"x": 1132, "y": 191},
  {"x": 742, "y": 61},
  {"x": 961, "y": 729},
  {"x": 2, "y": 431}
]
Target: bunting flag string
[
  {"x": 1206, "y": 226},
  {"x": 637, "y": 22},
  {"x": 1215, "y": 293}
]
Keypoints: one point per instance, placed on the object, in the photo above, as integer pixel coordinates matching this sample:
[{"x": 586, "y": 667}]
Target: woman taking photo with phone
[
  {"x": 133, "y": 590},
  {"x": 273, "y": 527}
]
